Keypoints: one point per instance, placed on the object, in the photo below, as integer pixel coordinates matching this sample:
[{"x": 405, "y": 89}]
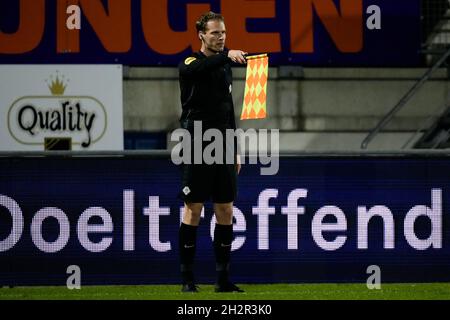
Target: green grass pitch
[{"x": 423, "y": 291}]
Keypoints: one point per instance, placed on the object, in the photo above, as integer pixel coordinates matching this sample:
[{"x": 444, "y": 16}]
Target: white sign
[{"x": 48, "y": 107}]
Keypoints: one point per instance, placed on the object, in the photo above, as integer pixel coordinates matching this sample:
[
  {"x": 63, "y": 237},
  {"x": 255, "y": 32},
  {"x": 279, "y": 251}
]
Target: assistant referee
[{"x": 206, "y": 96}]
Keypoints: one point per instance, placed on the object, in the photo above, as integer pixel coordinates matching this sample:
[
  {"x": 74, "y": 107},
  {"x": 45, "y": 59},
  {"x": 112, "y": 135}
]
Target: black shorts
[{"x": 202, "y": 182}]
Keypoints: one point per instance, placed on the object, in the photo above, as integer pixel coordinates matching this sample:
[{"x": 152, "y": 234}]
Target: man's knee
[
  {"x": 192, "y": 213},
  {"x": 224, "y": 213}
]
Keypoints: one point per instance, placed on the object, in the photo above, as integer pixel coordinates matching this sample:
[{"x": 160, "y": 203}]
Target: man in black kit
[{"x": 206, "y": 85}]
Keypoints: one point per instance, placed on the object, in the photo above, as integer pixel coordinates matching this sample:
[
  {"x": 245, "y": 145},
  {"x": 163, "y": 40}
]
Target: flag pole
[{"x": 257, "y": 56}]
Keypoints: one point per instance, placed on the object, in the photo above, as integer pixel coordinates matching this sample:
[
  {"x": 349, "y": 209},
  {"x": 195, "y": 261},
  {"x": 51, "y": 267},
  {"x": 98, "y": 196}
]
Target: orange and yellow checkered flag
[{"x": 255, "y": 94}]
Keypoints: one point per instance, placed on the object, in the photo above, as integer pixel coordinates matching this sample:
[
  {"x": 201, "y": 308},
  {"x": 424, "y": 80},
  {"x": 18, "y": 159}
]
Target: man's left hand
[{"x": 238, "y": 164}]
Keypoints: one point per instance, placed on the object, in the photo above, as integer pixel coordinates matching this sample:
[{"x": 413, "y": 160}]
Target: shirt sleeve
[
  {"x": 193, "y": 67},
  {"x": 237, "y": 146},
  {"x": 232, "y": 118}
]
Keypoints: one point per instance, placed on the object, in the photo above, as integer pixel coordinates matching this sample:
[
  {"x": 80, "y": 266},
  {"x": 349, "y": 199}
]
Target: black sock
[
  {"x": 187, "y": 245},
  {"x": 223, "y": 237}
]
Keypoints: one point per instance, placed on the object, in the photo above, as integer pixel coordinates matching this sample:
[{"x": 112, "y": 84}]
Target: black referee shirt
[{"x": 206, "y": 85}]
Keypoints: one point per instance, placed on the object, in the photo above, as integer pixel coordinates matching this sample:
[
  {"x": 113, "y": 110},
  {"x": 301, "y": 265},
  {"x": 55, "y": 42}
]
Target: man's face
[{"x": 214, "y": 36}]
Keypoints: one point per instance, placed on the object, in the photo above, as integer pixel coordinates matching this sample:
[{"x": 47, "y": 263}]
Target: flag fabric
[{"x": 255, "y": 106}]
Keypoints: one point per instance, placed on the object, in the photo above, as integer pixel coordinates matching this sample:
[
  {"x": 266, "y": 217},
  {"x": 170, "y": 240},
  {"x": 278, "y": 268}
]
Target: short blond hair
[{"x": 205, "y": 18}]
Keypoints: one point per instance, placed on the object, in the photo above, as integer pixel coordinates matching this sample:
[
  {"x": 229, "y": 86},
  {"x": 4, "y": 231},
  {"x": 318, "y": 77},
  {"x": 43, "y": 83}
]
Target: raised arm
[{"x": 193, "y": 67}]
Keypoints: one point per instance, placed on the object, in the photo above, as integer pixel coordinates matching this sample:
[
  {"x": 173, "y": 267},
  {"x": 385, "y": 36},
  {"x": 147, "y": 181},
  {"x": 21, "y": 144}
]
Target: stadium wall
[{"x": 308, "y": 100}]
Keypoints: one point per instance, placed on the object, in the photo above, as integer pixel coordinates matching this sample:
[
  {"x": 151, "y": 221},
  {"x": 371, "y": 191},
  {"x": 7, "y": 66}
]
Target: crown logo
[{"x": 57, "y": 86}]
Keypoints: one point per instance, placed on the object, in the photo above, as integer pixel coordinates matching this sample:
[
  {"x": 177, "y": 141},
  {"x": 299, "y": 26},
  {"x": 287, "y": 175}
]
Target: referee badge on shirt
[{"x": 189, "y": 60}]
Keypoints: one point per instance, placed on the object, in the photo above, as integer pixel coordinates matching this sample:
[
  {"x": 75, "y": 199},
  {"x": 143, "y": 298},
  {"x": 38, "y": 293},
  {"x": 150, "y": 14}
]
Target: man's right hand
[{"x": 237, "y": 56}]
